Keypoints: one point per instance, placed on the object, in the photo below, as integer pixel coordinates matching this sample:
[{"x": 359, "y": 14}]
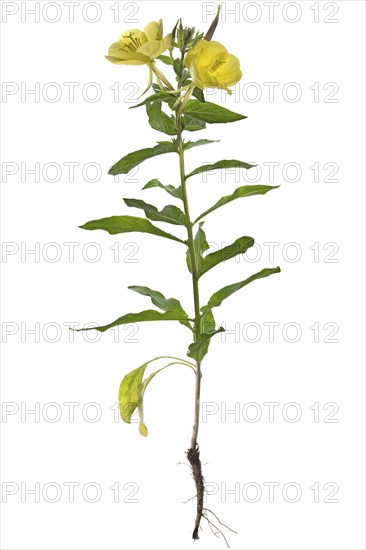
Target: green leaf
[
  {"x": 208, "y": 323},
  {"x": 198, "y": 94},
  {"x": 159, "y": 120},
  {"x": 240, "y": 246},
  {"x": 166, "y": 304},
  {"x": 125, "y": 164},
  {"x": 173, "y": 191},
  {"x": 165, "y": 59},
  {"x": 245, "y": 191},
  {"x": 192, "y": 124},
  {"x": 210, "y": 112},
  {"x": 158, "y": 96},
  {"x": 198, "y": 349},
  {"x": 191, "y": 144},
  {"x": 218, "y": 297},
  {"x": 221, "y": 164},
  {"x": 169, "y": 214},
  {"x": 128, "y": 394},
  {"x": 148, "y": 315},
  {"x": 127, "y": 224},
  {"x": 200, "y": 246}
]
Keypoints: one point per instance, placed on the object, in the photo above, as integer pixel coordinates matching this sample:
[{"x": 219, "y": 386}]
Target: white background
[{"x": 323, "y": 128}]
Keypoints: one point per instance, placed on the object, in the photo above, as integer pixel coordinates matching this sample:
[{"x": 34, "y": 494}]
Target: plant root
[{"x": 193, "y": 456}]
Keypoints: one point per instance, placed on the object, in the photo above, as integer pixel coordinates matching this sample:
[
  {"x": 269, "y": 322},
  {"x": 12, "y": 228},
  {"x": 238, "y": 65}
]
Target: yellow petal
[
  {"x": 153, "y": 48},
  {"x": 229, "y": 73},
  {"x": 133, "y": 37},
  {"x": 212, "y": 52},
  {"x": 119, "y": 54},
  {"x": 193, "y": 52},
  {"x": 154, "y": 30}
]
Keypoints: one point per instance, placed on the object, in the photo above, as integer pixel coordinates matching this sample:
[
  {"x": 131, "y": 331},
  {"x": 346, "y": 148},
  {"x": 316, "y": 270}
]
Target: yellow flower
[
  {"x": 140, "y": 47},
  {"x": 212, "y": 66}
]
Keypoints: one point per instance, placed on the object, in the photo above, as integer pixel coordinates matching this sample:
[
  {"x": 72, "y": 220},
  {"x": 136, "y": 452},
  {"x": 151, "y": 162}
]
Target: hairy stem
[{"x": 193, "y": 453}]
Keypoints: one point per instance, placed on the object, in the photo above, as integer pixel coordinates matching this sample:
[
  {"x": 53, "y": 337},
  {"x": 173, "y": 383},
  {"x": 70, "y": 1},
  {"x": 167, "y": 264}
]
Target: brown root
[{"x": 193, "y": 456}]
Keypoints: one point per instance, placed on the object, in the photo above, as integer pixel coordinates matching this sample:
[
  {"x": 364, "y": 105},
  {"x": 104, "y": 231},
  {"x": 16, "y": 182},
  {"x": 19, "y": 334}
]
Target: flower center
[
  {"x": 131, "y": 42},
  {"x": 216, "y": 65}
]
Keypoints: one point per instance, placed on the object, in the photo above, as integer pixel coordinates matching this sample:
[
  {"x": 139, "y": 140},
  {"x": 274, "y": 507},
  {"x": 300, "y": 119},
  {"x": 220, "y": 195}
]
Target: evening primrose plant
[{"x": 196, "y": 63}]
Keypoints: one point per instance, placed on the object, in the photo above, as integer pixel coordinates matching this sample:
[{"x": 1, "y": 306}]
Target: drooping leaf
[
  {"x": 170, "y": 213},
  {"x": 125, "y": 164},
  {"x": 142, "y": 427},
  {"x": 191, "y": 144},
  {"x": 218, "y": 297},
  {"x": 115, "y": 225},
  {"x": 210, "y": 112},
  {"x": 159, "y": 120},
  {"x": 197, "y": 350},
  {"x": 159, "y": 300},
  {"x": 244, "y": 191},
  {"x": 128, "y": 394},
  {"x": 200, "y": 246},
  {"x": 240, "y": 246},
  {"x": 221, "y": 164},
  {"x": 173, "y": 191},
  {"x": 141, "y": 316}
]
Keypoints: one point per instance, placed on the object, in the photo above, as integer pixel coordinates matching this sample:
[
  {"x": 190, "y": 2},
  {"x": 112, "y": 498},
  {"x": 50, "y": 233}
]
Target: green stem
[{"x": 196, "y": 297}]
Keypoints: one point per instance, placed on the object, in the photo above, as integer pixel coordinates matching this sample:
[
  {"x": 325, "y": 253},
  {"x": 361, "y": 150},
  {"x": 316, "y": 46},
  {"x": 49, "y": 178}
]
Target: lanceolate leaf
[
  {"x": 191, "y": 144},
  {"x": 169, "y": 214},
  {"x": 218, "y": 297},
  {"x": 148, "y": 315},
  {"x": 158, "y": 96},
  {"x": 220, "y": 165},
  {"x": 198, "y": 349},
  {"x": 200, "y": 246},
  {"x": 173, "y": 191},
  {"x": 159, "y": 300},
  {"x": 131, "y": 160},
  {"x": 127, "y": 224},
  {"x": 210, "y": 112},
  {"x": 245, "y": 191},
  {"x": 240, "y": 246},
  {"x": 159, "y": 120}
]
